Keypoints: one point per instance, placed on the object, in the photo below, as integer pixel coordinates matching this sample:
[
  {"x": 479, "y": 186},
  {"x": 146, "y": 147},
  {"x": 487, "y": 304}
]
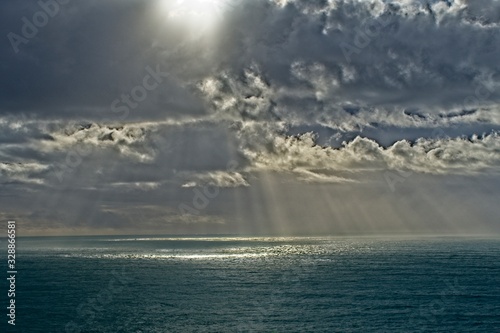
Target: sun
[{"x": 200, "y": 14}]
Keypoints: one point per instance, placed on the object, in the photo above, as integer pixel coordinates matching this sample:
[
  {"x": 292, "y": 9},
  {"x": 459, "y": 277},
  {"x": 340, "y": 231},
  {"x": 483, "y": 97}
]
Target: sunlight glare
[{"x": 199, "y": 14}]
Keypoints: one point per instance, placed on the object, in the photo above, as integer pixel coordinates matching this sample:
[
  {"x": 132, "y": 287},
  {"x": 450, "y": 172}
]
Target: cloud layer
[{"x": 135, "y": 98}]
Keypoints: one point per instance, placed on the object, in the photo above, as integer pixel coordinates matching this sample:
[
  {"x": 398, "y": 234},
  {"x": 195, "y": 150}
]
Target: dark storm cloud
[
  {"x": 399, "y": 55},
  {"x": 89, "y": 54},
  {"x": 321, "y": 59}
]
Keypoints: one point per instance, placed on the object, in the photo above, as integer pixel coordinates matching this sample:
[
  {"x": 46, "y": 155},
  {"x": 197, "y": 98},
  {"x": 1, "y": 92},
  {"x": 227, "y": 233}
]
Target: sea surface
[{"x": 244, "y": 284}]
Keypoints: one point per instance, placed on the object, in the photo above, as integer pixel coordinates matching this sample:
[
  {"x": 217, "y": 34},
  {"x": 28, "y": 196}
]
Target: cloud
[
  {"x": 22, "y": 172},
  {"x": 146, "y": 157},
  {"x": 144, "y": 186},
  {"x": 302, "y": 155},
  {"x": 320, "y": 176},
  {"x": 309, "y": 79},
  {"x": 216, "y": 178},
  {"x": 128, "y": 140},
  {"x": 266, "y": 59}
]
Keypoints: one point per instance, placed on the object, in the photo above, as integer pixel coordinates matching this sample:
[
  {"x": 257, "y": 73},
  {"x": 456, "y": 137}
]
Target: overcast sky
[{"x": 250, "y": 117}]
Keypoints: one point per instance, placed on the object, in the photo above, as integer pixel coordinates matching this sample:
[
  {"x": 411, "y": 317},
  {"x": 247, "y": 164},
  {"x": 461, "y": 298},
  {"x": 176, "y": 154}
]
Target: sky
[{"x": 257, "y": 117}]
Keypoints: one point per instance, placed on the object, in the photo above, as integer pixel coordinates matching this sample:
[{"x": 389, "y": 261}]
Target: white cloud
[
  {"x": 215, "y": 178},
  {"x": 23, "y": 172},
  {"x": 144, "y": 186},
  {"x": 128, "y": 140},
  {"x": 301, "y": 155}
]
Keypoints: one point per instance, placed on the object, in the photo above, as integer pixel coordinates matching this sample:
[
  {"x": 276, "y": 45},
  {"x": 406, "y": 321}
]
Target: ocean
[{"x": 256, "y": 284}]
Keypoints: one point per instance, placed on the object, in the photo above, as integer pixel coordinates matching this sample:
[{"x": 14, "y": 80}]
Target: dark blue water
[{"x": 117, "y": 284}]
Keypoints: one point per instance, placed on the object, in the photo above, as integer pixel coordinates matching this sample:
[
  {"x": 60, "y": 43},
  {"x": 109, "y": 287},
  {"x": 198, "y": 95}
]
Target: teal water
[{"x": 162, "y": 284}]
